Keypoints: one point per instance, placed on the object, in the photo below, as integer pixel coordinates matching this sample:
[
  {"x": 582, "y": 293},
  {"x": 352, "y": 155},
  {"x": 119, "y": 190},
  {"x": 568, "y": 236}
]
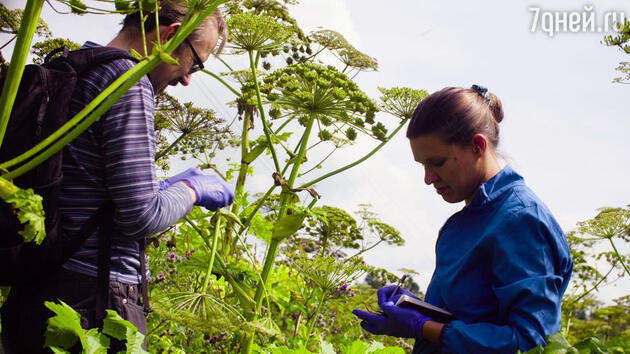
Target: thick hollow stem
[
  {"x": 18, "y": 59},
  {"x": 240, "y": 180},
  {"x": 274, "y": 245},
  {"x": 85, "y": 123},
  {"x": 261, "y": 111},
  {"x": 215, "y": 241},
  {"x": 116, "y": 90}
]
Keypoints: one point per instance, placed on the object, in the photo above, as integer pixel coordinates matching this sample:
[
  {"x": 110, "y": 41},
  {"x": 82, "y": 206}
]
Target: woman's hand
[{"x": 396, "y": 321}]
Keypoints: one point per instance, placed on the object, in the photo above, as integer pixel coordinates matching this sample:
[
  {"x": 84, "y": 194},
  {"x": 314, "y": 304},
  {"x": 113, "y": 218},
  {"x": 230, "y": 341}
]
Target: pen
[{"x": 400, "y": 283}]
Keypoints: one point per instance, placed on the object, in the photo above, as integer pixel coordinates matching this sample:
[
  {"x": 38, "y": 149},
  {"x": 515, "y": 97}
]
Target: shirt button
[{"x": 124, "y": 301}]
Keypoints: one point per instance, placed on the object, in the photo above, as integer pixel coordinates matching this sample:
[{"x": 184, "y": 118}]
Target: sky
[{"x": 565, "y": 127}]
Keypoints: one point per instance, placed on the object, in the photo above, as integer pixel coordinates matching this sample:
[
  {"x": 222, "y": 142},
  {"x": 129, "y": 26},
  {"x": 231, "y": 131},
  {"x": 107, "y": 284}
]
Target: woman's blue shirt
[{"x": 502, "y": 266}]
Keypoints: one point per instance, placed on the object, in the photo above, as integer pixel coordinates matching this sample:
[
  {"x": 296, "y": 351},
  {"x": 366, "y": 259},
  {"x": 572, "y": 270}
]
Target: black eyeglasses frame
[{"x": 198, "y": 66}]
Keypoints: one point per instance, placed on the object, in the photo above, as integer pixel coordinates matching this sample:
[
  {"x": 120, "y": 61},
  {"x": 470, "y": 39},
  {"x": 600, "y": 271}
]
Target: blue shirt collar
[{"x": 497, "y": 185}]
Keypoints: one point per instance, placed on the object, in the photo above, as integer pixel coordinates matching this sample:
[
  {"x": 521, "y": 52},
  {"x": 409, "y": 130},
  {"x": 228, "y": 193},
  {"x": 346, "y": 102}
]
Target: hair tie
[{"x": 483, "y": 92}]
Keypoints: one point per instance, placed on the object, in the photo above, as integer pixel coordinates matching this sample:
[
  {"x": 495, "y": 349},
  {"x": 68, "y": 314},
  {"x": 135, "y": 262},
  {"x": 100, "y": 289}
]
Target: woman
[{"x": 502, "y": 262}]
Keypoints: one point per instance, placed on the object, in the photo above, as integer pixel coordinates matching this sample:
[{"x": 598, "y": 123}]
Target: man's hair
[{"x": 172, "y": 11}]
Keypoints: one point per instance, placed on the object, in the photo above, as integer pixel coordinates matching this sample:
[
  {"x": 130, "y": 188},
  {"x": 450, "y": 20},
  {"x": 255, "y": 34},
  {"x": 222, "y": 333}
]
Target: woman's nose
[{"x": 430, "y": 176}]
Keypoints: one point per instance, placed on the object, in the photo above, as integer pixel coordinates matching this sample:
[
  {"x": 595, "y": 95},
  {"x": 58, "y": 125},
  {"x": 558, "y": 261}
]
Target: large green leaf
[
  {"x": 262, "y": 227},
  {"x": 287, "y": 226},
  {"x": 64, "y": 328},
  {"x": 30, "y": 211},
  {"x": 357, "y": 347},
  {"x": 121, "y": 329}
]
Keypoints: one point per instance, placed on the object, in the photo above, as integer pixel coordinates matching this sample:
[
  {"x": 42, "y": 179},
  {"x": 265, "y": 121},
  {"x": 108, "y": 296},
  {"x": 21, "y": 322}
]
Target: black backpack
[{"x": 40, "y": 108}]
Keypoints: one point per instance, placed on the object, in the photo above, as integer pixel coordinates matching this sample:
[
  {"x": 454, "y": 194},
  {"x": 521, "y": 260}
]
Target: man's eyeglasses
[{"x": 198, "y": 63}]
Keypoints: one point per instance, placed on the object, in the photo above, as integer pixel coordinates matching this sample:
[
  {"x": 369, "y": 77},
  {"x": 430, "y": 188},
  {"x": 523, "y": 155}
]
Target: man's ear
[
  {"x": 479, "y": 144},
  {"x": 167, "y": 32}
]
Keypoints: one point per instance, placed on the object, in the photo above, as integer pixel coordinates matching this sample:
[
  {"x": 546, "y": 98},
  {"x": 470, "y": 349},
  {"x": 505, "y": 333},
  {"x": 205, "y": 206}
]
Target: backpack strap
[
  {"x": 144, "y": 283},
  {"x": 104, "y": 259},
  {"x": 85, "y": 59}
]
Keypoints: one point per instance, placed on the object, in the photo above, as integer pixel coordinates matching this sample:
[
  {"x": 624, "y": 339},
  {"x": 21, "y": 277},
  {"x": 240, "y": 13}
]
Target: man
[{"x": 114, "y": 161}]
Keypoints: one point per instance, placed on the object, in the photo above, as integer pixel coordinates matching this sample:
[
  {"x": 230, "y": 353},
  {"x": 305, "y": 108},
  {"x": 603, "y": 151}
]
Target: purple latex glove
[
  {"x": 397, "y": 321},
  {"x": 389, "y": 290},
  {"x": 165, "y": 183},
  {"x": 212, "y": 191}
]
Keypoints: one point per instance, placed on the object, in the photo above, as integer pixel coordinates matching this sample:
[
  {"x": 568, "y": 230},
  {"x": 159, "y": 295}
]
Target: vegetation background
[{"x": 565, "y": 129}]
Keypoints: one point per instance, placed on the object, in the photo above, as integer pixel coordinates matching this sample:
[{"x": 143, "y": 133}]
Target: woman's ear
[{"x": 480, "y": 144}]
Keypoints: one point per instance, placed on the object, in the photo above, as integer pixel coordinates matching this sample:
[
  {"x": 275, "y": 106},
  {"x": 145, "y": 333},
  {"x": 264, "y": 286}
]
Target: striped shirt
[{"x": 114, "y": 160}]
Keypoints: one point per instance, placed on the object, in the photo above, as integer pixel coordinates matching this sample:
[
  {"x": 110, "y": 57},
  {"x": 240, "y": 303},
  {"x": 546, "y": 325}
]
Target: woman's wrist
[{"x": 432, "y": 331}]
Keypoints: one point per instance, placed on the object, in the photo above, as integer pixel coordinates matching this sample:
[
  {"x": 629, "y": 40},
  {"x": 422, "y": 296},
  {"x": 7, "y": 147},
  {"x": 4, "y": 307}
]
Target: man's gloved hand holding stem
[{"x": 210, "y": 191}]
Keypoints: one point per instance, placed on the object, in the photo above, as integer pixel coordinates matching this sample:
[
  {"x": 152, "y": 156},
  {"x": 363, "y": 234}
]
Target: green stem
[
  {"x": 215, "y": 241},
  {"x": 240, "y": 180},
  {"x": 220, "y": 79},
  {"x": 261, "y": 111},
  {"x": 321, "y": 162},
  {"x": 157, "y": 21},
  {"x": 225, "y": 63},
  {"x": 81, "y": 127},
  {"x": 7, "y": 43},
  {"x": 165, "y": 151},
  {"x": 258, "y": 206},
  {"x": 272, "y": 251},
  {"x": 337, "y": 171},
  {"x": 273, "y": 247},
  {"x": 311, "y": 321},
  {"x": 144, "y": 37},
  {"x": 116, "y": 89},
  {"x": 18, "y": 59},
  {"x": 283, "y": 125},
  {"x": 76, "y": 119},
  {"x": 237, "y": 289},
  {"x": 619, "y": 256},
  {"x": 594, "y": 286}
]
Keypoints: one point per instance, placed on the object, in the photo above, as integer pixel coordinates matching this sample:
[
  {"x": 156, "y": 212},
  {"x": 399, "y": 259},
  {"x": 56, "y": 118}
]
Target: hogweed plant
[
  {"x": 207, "y": 276},
  {"x": 198, "y": 11}
]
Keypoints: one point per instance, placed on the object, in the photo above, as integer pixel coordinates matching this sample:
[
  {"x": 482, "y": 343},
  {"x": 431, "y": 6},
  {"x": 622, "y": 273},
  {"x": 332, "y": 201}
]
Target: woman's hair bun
[{"x": 495, "y": 107}]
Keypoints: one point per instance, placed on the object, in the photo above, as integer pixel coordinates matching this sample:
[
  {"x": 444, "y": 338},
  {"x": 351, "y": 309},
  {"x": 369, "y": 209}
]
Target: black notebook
[{"x": 436, "y": 313}]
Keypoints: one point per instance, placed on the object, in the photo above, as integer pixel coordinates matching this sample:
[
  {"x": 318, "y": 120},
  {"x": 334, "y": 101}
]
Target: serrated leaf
[
  {"x": 287, "y": 226},
  {"x": 29, "y": 210},
  {"x": 121, "y": 329},
  {"x": 261, "y": 227},
  {"x": 64, "y": 328},
  {"x": 374, "y": 345},
  {"x": 357, "y": 347},
  {"x": 556, "y": 343},
  {"x": 96, "y": 343}
]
